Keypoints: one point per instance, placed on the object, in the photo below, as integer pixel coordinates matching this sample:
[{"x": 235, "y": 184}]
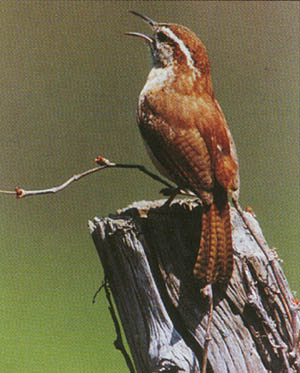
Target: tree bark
[{"x": 148, "y": 251}]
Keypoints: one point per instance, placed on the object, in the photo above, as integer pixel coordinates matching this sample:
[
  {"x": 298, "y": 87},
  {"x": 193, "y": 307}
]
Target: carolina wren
[{"x": 188, "y": 140}]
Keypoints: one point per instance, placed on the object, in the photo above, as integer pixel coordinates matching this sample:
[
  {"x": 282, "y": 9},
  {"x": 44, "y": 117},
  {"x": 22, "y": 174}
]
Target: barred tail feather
[{"x": 214, "y": 262}]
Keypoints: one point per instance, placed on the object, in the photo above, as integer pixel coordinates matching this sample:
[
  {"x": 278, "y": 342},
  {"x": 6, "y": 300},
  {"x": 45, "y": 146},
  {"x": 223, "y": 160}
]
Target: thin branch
[
  {"x": 103, "y": 163},
  {"x": 98, "y": 291},
  {"x": 8, "y": 192},
  {"x": 21, "y": 193}
]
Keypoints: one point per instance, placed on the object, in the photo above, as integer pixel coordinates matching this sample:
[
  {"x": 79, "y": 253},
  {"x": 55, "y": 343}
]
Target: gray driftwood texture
[{"x": 148, "y": 252}]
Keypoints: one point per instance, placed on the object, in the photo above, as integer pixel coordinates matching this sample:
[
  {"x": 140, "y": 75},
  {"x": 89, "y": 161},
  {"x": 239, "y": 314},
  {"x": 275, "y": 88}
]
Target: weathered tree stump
[{"x": 148, "y": 252}]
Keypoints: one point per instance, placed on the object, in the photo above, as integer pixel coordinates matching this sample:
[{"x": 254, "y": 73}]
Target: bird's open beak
[{"x": 150, "y": 22}]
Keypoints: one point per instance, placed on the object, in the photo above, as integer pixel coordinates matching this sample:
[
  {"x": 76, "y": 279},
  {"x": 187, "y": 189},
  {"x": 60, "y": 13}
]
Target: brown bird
[{"x": 188, "y": 140}]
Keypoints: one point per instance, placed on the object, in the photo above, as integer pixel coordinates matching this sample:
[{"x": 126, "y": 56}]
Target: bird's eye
[{"x": 161, "y": 37}]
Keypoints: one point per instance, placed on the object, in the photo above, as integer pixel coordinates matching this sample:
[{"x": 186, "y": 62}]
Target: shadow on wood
[{"x": 148, "y": 252}]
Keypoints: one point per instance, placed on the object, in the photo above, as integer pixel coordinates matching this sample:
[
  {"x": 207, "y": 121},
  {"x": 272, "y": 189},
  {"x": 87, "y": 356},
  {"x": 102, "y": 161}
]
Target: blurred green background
[{"x": 69, "y": 86}]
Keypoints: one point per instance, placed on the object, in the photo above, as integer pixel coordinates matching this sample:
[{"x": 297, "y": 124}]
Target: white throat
[{"x": 157, "y": 79}]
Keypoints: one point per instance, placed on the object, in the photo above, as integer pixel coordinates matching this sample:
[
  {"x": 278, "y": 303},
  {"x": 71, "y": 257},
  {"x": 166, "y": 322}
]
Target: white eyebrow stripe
[{"x": 184, "y": 49}]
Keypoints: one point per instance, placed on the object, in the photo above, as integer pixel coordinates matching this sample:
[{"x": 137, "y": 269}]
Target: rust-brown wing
[
  {"x": 221, "y": 147},
  {"x": 193, "y": 146},
  {"x": 180, "y": 154}
]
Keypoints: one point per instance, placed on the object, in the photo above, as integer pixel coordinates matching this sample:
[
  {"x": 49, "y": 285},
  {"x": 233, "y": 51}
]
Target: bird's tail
[{"x": 214, "y": 261}]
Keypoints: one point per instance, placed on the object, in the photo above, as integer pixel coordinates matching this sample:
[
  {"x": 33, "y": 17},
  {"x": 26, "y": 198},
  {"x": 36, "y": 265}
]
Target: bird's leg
[{"x": 172, "y": 193}]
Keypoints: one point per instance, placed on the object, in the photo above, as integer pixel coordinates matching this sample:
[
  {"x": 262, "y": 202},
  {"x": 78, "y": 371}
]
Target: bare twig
[
  {"x": 21, "y": 193},
  {"x": 8, "y": 192},
  {"x": 98, "y": 291},
  {"x": 102, "y": 162}
]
